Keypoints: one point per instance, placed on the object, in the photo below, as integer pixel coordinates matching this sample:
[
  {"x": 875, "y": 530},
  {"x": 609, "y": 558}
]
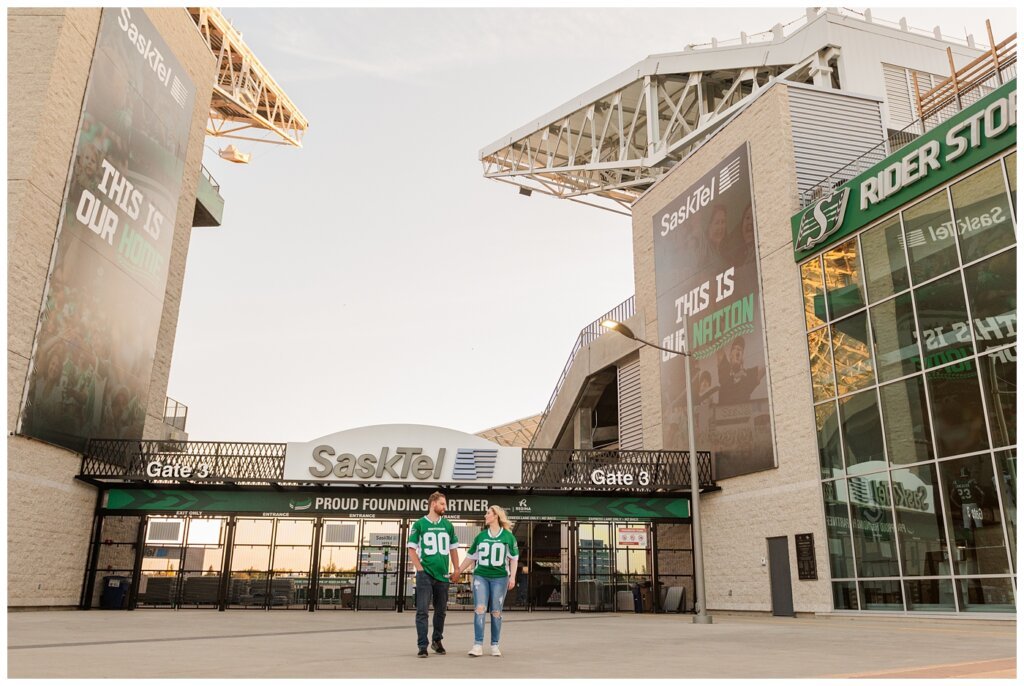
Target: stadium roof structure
[
  {"x": 608, "y": 145},
  {"x": 245, "y": 96}
]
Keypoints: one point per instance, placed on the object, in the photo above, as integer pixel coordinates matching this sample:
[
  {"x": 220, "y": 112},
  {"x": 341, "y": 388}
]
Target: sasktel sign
[
  {"x": 980, "y": 131},
  {"x": 403, "y": 453}
]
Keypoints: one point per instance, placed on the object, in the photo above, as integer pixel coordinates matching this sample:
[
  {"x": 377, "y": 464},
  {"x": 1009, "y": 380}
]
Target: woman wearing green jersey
[{"x": 494, "y": 553}]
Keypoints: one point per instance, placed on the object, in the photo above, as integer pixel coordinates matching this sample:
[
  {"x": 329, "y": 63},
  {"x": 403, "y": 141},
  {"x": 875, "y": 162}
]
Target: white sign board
[
  {"x": 403, "y": 453},
  {"x": 632, "y": 537}
]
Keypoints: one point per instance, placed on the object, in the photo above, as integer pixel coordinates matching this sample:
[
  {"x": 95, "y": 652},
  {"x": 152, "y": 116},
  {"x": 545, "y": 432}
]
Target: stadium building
[{"x": 775, "y": 183}]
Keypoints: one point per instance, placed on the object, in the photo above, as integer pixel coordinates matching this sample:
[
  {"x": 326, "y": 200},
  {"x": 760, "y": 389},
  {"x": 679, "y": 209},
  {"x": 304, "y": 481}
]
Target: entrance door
[{"x": 781, "y": 582}]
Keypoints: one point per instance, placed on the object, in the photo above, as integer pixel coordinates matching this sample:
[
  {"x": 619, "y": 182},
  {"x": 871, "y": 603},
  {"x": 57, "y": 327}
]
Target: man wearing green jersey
[
  {"x": 432, "y": 542},
  {"x": 495, "y": 552}
]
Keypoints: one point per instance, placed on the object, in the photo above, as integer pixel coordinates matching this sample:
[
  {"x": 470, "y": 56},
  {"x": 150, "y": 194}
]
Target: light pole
[{"x": 700, "y": 601}]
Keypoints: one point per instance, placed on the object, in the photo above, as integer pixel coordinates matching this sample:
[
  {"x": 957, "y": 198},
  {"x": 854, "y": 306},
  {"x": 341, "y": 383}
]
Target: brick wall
[{"x": 786, "y": 500}]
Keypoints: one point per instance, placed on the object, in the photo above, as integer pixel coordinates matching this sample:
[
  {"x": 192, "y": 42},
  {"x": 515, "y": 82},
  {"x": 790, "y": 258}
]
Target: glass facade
[{"x": 911, "y": 341}]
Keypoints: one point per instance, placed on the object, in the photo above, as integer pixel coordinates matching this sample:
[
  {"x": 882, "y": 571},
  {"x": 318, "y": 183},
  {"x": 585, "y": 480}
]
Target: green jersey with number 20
[
  {"x": 492, "y": 553},
  {"x": 432, "y": 541}
]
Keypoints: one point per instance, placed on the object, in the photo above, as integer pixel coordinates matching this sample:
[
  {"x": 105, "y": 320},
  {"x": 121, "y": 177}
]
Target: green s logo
[{"x": 822, "y": 219}]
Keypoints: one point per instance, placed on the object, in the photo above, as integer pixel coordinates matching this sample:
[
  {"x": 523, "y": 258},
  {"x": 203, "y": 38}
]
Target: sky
[{"x": 375, "y": 276}]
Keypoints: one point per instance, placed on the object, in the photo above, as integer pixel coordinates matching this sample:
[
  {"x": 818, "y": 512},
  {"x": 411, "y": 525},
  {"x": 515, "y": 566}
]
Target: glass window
[
  {"x": 830, "y": 455},
  {"x": 871, "y": 511},
  {"x": 985, "y": 595},
  {"x": 885, "y": 267},
  {"x": 844, "y": 595},
  {"x": 992, "y": 290},
  {"x": 958, "y": 421},
  {"x": 1011, "y": 174},
  {"x": 881, "y": 595},
  {"x": 942, "y": 318},
  {"x": 894, "y": 336},
  {"x": 862, "y": 433},
  {"x": 842, "y": 280},
  {"x": 1006, "y": 463},
  {"x": 854, "y": 369},
  {"x": 919, "y": 521},
  {"x": 930, "y": 241},
  {"x": 982, "y": 212},
  {"x": 929, "y": 595},
  {"x": 908, "y": 435},
  {"x": 823, "y": 383},
  {"x": 975, "y": 520},
  {"x": 999, "y": 379},
  {"x": 837, "y": 528},
  {"x": 814, "y": 293}
]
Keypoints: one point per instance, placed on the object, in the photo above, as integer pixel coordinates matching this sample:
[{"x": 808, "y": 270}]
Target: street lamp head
[{"x": 618, "y": 327}]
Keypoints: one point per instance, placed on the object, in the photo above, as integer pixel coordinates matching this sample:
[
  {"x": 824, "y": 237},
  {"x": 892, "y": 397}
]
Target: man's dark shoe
[
  {"x": 423, "y": 653},
  {"x": 438, "y": 648}
]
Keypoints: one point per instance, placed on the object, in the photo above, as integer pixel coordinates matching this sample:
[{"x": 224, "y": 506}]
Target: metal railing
[
  {"x": 589, "y": 333},
  {"x": 209, "y": 177},
  {"x": 211, "y": 463},
  {"x": 175, "y": 413},
  {"x": 909, "y": 133}
]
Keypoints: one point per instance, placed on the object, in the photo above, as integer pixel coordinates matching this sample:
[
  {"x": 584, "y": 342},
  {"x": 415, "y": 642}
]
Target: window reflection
[
  {"x": 972, "y": 510},
  {"x": 1011, "y": 175},
  {"x": 919, "y": 522},
  {"x": 842, "y": 280},
  {"x": 1006, "y": 463},
  {"x": 814, "y": 293},
  {"x": 982, "y": 212},
  {"x": 881, "y": 595},
  {"x": 992, "y": 289},
  {"x": 929, "y": 595},
  {"x": 985, "y": 595},
  {"x": 999, "y": 379},
  {"x": 822, "y": 380},
  {"x": 844, "y": 595},
  {"x": 854, "y": 369},
  {"x": 930, "y": 240},
  {"x": 942, "y": 319},
  {"x": 830, "y": 455},
  {"x": 908, "y": 436},
  {"x": 957, "y": 417},
  {"x": 837, "y": 528},
  {"x": 885, "y": 267},
  {"x": 862, "y": 433},
  {"x": 894, "y": 335},
  {"x": 871, "y": 512}
]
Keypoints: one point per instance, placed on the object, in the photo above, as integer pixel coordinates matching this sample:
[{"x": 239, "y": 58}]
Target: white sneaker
[
  {"x": 495, "y": 652},
  {"x": 476, "y": 651}
]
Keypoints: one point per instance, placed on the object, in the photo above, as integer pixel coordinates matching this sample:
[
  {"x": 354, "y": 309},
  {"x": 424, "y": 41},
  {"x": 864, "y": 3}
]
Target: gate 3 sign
[{"x": 403, "y": 453}]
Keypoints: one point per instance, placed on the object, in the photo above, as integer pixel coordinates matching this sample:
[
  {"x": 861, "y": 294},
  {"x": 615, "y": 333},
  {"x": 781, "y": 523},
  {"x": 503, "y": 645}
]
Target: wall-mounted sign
[
  {"x": 709, "y": 303},
  {"x": 806, "y": 564},
  {"x": 632, "y": 537},
  {"x": 951, "y": 148},
  {"x": 364, "y": 503},
  {"x": 100, "y": 313},
  {"x": 403, "y": 453}
]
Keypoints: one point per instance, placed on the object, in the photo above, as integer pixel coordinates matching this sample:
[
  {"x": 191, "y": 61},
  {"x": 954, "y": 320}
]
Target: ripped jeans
[{"x": 488, "y": 596}]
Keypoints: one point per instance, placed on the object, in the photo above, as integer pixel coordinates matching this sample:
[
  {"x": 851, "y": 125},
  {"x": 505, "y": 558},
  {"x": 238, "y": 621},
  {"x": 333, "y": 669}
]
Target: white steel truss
[
  {"x": 618, "y": 145},
  {"x": 245, "y": 96}
]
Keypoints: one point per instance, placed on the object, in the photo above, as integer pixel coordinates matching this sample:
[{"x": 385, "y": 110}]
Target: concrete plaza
[{"x": 200, "y": 643}]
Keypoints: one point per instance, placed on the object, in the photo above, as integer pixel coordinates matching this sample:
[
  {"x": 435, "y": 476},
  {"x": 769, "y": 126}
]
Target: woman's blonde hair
[{"x": 502, "y": 516}]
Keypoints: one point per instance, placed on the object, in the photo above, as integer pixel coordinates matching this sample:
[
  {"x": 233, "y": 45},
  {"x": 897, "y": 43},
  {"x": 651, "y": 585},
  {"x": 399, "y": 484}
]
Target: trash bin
[
  {"x": 638, "y": 603},
  {"x": 115, "y": 592}
]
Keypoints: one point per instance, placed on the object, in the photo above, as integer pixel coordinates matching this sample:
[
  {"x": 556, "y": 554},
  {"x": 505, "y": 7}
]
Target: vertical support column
[
  {"x": 225, "y": 572},
  {"x": 995, "y": 53},
  {"x": 574, "y": 546},
  {"x": 140, "y": 542},
  {"x": 654, "y": 568},
  {"x": 94, "y": 555},
  {"x": 403, "y": 556},
  {"x": 583, "y": 429},
  {"x": 314, "y": 573},
  {"x": 653, "y": 122}
]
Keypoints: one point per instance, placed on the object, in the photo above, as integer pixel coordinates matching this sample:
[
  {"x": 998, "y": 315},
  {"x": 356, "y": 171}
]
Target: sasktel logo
[
  {"x": 822, "y": 219},
  {"x": 152, "y": 56}
]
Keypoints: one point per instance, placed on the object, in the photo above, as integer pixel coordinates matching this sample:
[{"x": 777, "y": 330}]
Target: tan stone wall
[
  {"x": 50, "y": 52},
  {"x": 786, "y": 500}
]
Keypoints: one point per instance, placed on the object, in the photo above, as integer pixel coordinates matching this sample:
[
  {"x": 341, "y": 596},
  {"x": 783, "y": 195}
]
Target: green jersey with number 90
[
  {"x": 432, "y": 541},
  {"x": 492, "y": 553}
]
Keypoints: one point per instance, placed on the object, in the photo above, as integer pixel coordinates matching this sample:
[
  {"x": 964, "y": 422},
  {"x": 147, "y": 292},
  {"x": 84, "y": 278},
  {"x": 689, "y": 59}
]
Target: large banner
[
  {"x": 709, "y": 303},
  {"x": 96, "y": 339}
]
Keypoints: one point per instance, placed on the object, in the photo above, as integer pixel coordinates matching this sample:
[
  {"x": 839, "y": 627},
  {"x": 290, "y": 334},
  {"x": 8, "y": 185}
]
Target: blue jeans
[
  {"x": 488, "y": 596},
  {"x": 428, "y": 588}
]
